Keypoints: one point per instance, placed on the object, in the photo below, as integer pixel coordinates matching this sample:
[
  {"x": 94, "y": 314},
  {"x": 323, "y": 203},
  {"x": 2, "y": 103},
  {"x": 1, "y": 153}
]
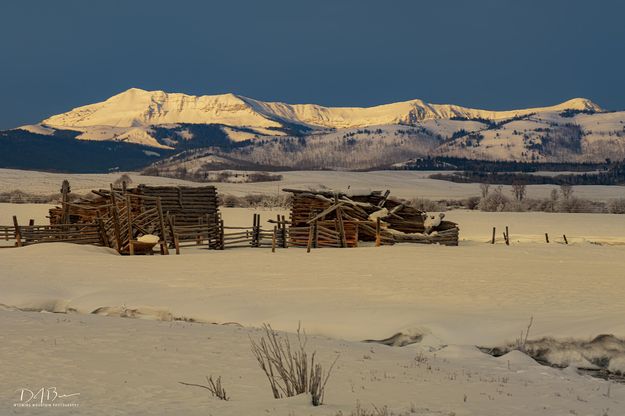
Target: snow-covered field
[
  {"x": 449, "y": 298},
  {"x": 403, "y": 184}
]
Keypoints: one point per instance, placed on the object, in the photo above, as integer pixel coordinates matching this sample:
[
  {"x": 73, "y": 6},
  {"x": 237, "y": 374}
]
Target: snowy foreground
[{"x": 61, "y": 325}]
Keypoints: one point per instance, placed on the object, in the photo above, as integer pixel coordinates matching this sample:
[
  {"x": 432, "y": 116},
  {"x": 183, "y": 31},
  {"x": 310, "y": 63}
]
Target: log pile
[{"x": 329, "y": 219}]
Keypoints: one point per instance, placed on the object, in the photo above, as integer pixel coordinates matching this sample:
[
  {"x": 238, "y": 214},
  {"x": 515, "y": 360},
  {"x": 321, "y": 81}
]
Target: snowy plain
[
  {"x": 61, "y": 309},
  {"x": 403, "y": 184}
]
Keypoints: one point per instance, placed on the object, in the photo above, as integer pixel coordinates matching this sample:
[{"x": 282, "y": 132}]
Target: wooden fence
[{"x": 68, "y": 233}]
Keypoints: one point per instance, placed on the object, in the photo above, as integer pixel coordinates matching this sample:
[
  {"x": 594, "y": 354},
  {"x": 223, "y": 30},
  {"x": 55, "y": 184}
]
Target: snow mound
[
  {"x": 148, "y": 239},
  {"x": 402, "y": 338},
  {"x": 518, "y": 358},
  {"x": 604, "y": 352}
]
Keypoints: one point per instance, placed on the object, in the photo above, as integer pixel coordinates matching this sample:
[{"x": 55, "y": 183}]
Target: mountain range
[{"x": 138, "y": 128}]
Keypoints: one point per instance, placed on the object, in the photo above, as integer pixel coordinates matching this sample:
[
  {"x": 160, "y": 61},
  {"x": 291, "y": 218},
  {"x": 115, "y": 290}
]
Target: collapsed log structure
[
  {"x": 125, "y": 216},
  {"x": 330, "y": 219}
]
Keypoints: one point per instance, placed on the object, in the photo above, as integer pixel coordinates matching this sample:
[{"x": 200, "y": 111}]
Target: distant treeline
[
  {"x": 614, "y": 175},
  {"x": 456, "y": 163}
]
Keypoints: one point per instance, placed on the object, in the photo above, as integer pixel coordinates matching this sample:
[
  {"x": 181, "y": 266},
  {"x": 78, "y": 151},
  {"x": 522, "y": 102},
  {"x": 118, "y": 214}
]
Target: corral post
[
  {"x": 222, "y": 244},
  {"x": 253, "y": 236},
  {"x": 102, "y": 229},
  {"x": 198, "y": 236},
  {"x": 65, "y": 190},
  {"x": 18, "y": 233},
  {"x": 279, "y": 229},
  {"x": 118, "y": 237},
  {"x": 285, "y": 242},
  {"x": 31, "y": 224},
  {"x": 256, "y": 231},
  {"x": 170, "y": 222},
  {"x": 492, "y": 240},
  {"x": 384, "y": 198},
  {"x": 161, "y": 220},
  {"x": 547, "y": 238},
  {"x": 310, "y": 237},
  {"x": 115, "y": 215},
  {"x": 273, "y": 240},
  {"x": 566, "y": 241},
  {"x": 507, "y": 236},
  {"x": 378, "y": 236},
  {"x": 131, "y": 248},
  {"x": 339, "y": 215}
]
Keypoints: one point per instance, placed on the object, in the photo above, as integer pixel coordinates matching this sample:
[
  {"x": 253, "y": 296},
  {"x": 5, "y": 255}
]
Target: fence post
[
  {"x": 18, "y": 233},
  {"x": 492, "y": 240},
  {"x": 285, "y": 242},
  {"x": 273, "y": 240},
  {"x": 161, "y": 220},
  {"x": 378, "y": 236},
  {"x": 222, "y": 244},
  {"x": 198, "y": 236}
]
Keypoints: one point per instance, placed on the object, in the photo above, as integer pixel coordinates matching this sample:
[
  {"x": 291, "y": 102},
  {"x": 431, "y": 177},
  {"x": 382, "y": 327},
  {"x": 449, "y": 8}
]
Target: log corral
[
  {"x": 125, "y": 216},
  {"x": 135, "y": 220},
  {"x": 334, "y": 219}
]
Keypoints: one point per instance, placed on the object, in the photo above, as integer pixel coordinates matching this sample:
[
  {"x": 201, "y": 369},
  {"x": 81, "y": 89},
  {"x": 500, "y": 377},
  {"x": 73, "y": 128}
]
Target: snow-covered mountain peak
[
  {"x": 583, "y": 104},
  {"x": 136, "y": 107}
]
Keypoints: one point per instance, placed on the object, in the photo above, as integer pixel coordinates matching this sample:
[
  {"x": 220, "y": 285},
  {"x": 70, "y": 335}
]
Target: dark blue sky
[{"x": 496, "y": 54}]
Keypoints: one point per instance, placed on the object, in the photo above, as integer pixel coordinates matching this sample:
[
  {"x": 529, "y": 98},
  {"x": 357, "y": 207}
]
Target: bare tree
[
  {"x": 124, "y": 179},
  {"x": 567, "y": 191},
  {"x": 519, "y": 190},
  {"x": 553, "y": 200},
  {"x": 484, "y": 187}
]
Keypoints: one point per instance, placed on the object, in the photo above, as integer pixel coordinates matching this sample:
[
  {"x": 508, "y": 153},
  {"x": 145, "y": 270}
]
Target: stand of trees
[
  {"x": 488, "y": 166},
  {"x": 614, "y": 175}
]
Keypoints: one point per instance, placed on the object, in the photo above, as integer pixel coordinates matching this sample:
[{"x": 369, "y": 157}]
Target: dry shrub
[
  {"x": 375, "y": 411},
  {"x": 521, "y": 342},
  {"x": 495, "y": 201},
  {"x": 17, "y": 196},
  {"x": 427, "y": 205},
  {"x": 213, "y": 386},
  {"x": 256, "y": 201},
  {"x": 288, "y": 368},
  {"x": 617, "y": 206}
]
